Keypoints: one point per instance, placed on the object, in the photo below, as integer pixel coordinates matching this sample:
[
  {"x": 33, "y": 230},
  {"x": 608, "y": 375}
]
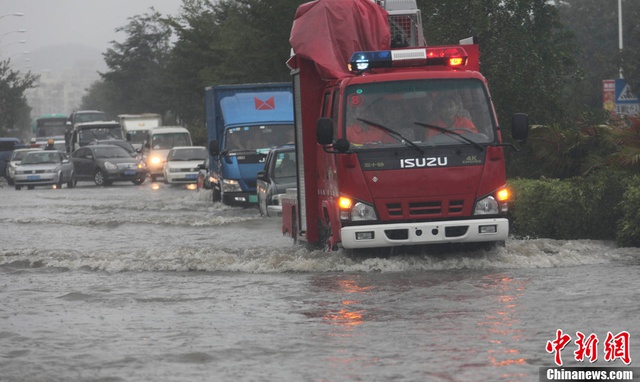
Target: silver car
[
  {"x": 14, "y": 161},
  {"x": 44, "y": 168}
]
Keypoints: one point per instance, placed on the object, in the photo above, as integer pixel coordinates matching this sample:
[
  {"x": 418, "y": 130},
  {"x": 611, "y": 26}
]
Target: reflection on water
[{"x": 501, "y": 323}]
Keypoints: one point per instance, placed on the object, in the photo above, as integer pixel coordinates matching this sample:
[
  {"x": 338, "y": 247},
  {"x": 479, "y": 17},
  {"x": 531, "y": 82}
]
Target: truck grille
[{"x": 430, "y": 208}]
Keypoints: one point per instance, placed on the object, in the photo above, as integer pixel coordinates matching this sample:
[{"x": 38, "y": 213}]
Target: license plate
[
  {"x": 33, "y": 177},
  {"x": 253, "y": 198},
  {"x": 129, "y": 173},
  {"x": 191, "y": 176}
]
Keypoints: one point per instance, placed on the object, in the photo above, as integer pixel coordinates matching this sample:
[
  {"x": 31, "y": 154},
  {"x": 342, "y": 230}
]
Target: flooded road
[{"x": 143, "y": 283}]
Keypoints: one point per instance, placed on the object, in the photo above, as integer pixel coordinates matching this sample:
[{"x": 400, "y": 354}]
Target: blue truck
[{"x": 243, "y": 123}]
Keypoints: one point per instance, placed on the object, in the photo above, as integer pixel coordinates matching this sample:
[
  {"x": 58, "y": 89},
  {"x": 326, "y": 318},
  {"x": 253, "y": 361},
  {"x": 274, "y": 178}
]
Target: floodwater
[{"x": 156, "y": 283}]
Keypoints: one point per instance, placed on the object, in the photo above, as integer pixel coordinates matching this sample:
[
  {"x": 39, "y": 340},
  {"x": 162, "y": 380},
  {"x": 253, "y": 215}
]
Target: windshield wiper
[
  {"x": 447, "y": 131},
  {"x": 396, "y": 135}
]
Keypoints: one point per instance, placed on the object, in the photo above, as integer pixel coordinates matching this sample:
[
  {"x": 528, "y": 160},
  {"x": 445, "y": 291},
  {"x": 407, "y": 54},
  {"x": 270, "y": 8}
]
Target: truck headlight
[
  {"x": 357, "y": 211},
  {"x": 363, "y": 212},
  {"x": 230, "y": 185},
  {"x": 487, "y": 206}
]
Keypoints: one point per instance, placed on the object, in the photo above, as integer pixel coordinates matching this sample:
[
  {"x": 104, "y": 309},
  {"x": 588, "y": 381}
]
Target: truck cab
[{"x": 243, "y": 123}]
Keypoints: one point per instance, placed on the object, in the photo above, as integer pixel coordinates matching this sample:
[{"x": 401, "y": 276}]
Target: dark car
[
  {"x": 279, "y": 174},
  {"x": 7, "y": 145},
  {"x": 105, "y": 164}
]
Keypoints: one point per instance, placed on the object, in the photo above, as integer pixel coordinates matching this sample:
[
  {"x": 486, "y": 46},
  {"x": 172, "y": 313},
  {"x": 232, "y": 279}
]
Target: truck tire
[{"x": 216, "y": 194}]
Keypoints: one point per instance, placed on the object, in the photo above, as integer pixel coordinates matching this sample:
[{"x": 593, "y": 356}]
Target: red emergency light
[{"x": 451, "y": 56}]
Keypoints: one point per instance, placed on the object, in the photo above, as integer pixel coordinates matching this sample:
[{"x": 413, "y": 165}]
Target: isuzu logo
[{"x": 423, "y": 162}]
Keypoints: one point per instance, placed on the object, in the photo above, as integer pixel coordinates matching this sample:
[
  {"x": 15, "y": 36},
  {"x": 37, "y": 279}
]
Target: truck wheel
[{"x": 217, "y": 195}]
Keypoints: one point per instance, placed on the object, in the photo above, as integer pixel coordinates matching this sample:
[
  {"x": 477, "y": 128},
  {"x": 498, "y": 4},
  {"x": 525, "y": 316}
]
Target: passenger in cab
[{"x": 360, "y": 133}]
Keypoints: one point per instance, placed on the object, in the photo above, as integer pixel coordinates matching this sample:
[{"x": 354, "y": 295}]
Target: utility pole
[{"x": 620, "y": 32}]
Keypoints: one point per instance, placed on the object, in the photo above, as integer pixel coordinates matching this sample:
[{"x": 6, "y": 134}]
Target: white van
[{"x": 157, "y": 145}]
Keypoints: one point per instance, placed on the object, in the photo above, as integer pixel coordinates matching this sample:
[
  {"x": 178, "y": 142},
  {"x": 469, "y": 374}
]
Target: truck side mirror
[
  {"x": 213, "y": 148},
  {"x": 128, "y": 137},
  {"x": 261, "y": 176},
  {"x": 324, "y": 131},
  {"x": 520, "y": 126}
]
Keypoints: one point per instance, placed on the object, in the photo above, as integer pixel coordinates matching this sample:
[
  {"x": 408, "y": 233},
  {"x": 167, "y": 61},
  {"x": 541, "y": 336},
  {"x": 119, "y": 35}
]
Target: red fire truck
[{"x": 397, "y": 143}]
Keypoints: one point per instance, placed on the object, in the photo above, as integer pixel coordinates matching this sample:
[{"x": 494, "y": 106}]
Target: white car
[
  {"x": 44, "y": 168},
  {"x": 182, "y": 163},
  {"x": 14, "y": 161}
]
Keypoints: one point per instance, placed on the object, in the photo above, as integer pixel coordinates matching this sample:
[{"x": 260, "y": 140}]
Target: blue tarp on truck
[{"x": 243, "y": 123}]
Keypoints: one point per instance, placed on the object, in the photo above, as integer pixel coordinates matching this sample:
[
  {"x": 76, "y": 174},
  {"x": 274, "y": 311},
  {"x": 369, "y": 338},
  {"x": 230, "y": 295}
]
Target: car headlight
[
  {"x": 110, "y": 166},
  {"x": 174, "y": 170},
  {"x": 486, "y": 206},
  {"x": 230, "y": 185},
  {"x": 50, "y": 171},
  {"x": 155, "y": 160},
  {"x": 141, "y": 166}
]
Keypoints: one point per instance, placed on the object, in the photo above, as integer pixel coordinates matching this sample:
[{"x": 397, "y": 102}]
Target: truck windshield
[
  {"x": 432, "y": 112},
  {"x": 98, "y": 133},
  {"x": 258, "y": 137},
  {"x": 137, "y": 136}
]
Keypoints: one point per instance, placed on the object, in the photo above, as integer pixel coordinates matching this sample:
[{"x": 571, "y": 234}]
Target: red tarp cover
[{"x": 327, "y": 32}]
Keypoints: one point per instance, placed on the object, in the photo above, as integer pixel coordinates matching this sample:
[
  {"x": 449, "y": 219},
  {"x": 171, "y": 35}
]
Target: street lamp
[
  {"x": 11, "y": 43},
  {"x": 18, "y": 14},
  {"x": 15, "y": 31}
]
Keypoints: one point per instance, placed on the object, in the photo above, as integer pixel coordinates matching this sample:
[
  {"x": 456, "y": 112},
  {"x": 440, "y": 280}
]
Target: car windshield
[
  {"x": 116, "y": 142},
  {"x": 41, "y": 157},
  {"x": 285, "y": 167},
  {"x": 111, "y": 152},
  {"x": 433, "y": 112},
  {"x": 195, "y": 154},
  {"x": 18, "y": 155}
]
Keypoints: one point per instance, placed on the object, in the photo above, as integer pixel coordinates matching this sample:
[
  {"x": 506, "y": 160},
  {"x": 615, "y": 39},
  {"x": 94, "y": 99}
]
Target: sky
[{"x": 58, "y": 22}]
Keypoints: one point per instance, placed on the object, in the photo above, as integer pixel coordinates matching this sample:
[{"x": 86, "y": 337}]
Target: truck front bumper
[
  {"x": 457, "y": 231},
  {"x": 239, "y": 198}
]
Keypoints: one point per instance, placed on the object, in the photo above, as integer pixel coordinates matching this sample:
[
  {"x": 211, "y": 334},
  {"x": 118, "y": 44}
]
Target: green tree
[
  {"x": 226, "y": 42},
  {"x": 137, "y": 67},
  {"x": 595, "y": 26},
  {"x": 14, "y": 110},
  {"x": 525, "y": 53}
]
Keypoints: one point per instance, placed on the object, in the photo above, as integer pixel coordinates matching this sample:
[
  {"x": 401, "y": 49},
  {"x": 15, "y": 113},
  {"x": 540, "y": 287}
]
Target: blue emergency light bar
[{"x": 447, "y": 56}]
